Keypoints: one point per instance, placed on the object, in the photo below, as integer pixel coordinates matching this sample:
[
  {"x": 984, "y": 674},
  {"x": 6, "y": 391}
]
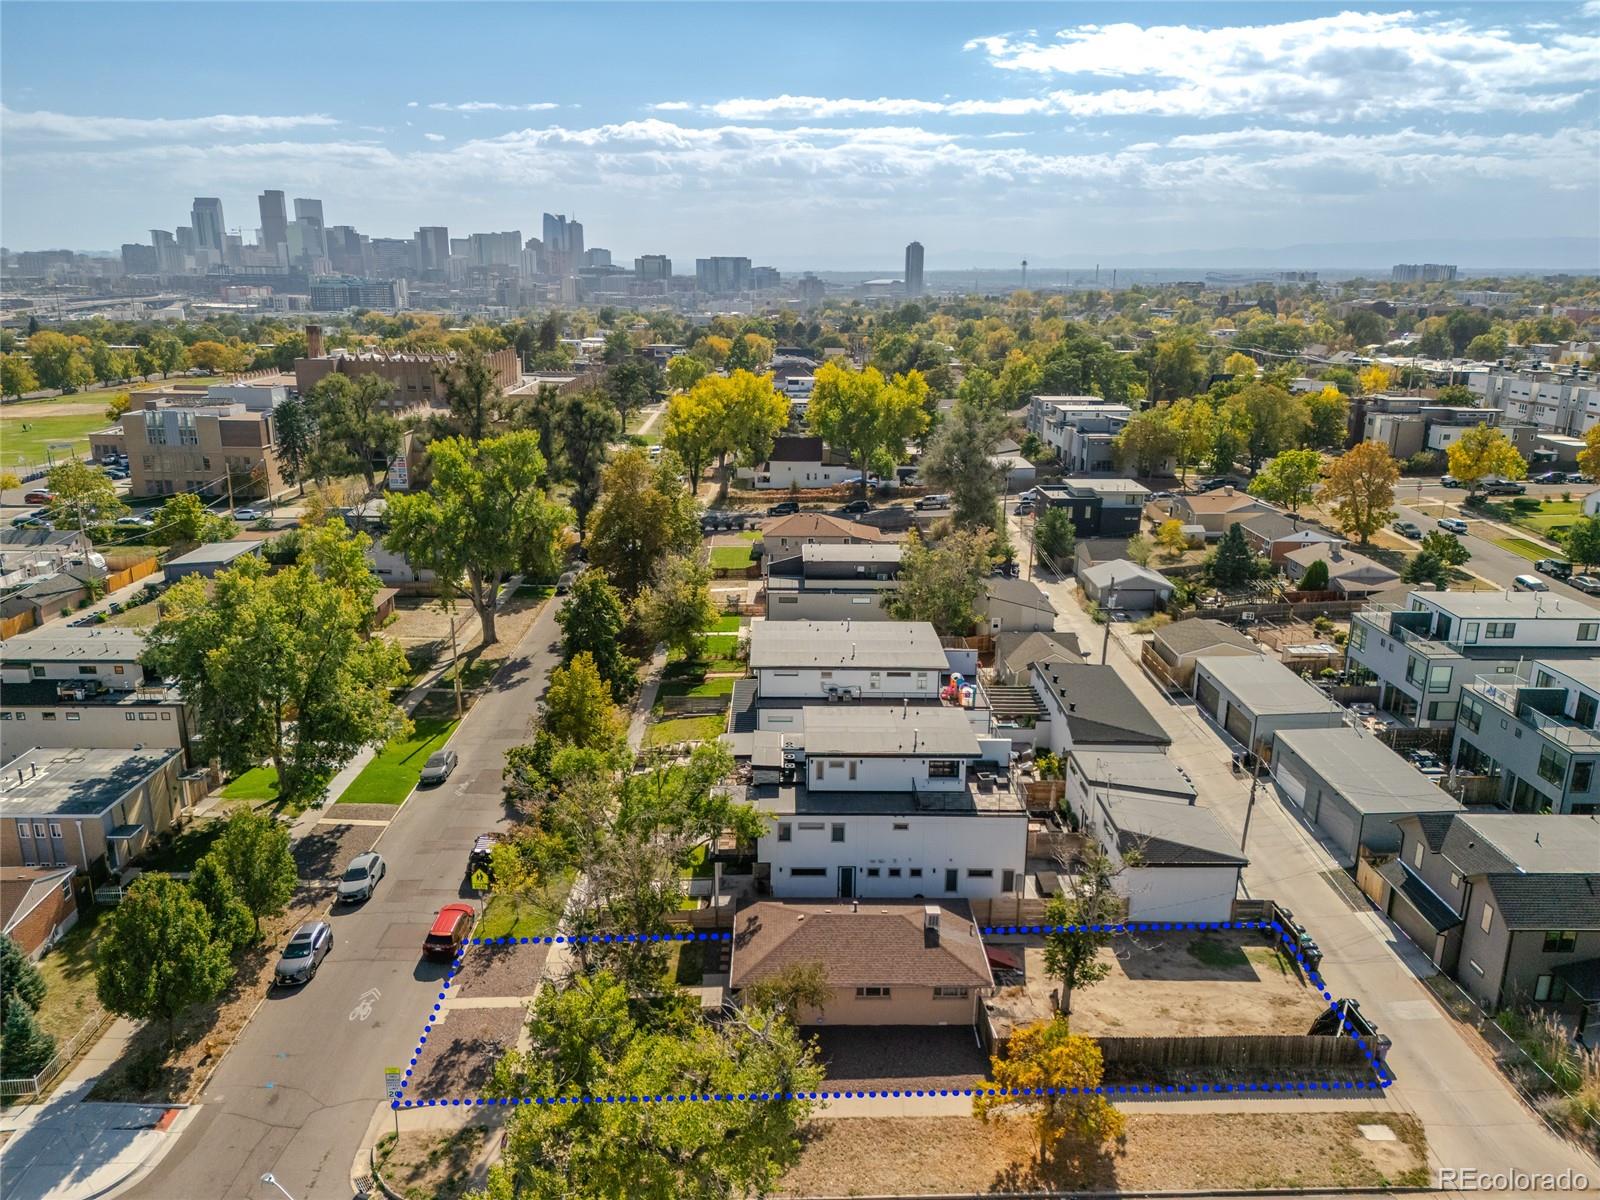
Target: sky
[{"x": 822, "y": 135}]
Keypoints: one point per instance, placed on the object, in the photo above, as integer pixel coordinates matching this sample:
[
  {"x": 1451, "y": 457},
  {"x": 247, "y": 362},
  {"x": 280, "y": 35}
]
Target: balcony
[{"x": 1514, "y": 696}]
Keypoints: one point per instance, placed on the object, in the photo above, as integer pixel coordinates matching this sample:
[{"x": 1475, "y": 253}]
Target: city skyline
[{"x": 989, "y": 134}]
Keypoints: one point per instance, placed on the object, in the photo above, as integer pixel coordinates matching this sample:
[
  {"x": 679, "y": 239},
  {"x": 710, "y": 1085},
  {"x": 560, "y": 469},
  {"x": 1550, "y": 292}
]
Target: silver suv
[{"x": 304, "y": 954}]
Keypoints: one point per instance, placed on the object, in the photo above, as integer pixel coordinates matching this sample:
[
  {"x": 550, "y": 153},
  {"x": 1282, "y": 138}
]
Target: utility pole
[
  {"x": 1250, "y": 808},
  {"x": 1105, "y": 643},
  {"x": 455, "y": 659}
]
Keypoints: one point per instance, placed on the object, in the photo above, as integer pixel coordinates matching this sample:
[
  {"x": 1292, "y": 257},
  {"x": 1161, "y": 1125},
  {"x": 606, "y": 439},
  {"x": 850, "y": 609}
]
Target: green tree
[
  {"x": 1232, "y": 565},
  {"x": 1175, "y": 368},
  {"x": 1276, "y": 420},
  {"x": 1366, "y": 327},
  {"x": 869, "y": 417},
  {"x": 117, "y": 405},
  {"x": 1240, "y": 366},
  {"x": 644, "y": 515},
  {"x": 791, "y": 990},
  {"x": 297, "y": 439},
  {"x": 355, "y": 431},
  {"x": 1484, "y": 452},
  {"x": 1171, "y": 538},
  {"x": 60, "y": 361},
  {"x": 753, "y": 415},
  {"x": 960, "y": 459},
  {"x": 1458, "y": 395},
  {"x": 157, "y": 956},
  {"x": 1583, "y": 541},
  {"x": 231, "y": 922},
  {"x": 593, "y": 620},
  {"x": 1425, "y": 567},
  {"x": 1054, "y": 539},
  {"x": 1358, "y": 489},
  {"x": 472, "y": 394},
  {"x": 25, "y": 1049},
  {"x": 1056, "y": 1074},
  {"x": 1146, "y": 442},
  {"x": 1079, "y": 924},
  {"x": 253, "y": 853},
  {"x": 21, "y": 984},
  {"x": 632, "y": 384},
  {"x": 677, "y": 607},
  {"x": 1316, "y": 577},
  {"x": 84, "y": 497},
  {"x": 695, "y": 427},
  {"x": 16, "y": 375},
  {"x": 185, "y": 520},
  {"x": 941, "y": 584},
  {"x": 588, "y": 424},
  {"x": 274, "y": 666},
  {"x": 1327, "y": 419},
  {"x": 1446, "y": 547},
  {"x": 578, "y": 708},
  {"x": 1289, "y": 479},
  {"x": 1193, "y": 423},
  {"x": 485, "y": 517},
  {"x": 684, "y": 371}
]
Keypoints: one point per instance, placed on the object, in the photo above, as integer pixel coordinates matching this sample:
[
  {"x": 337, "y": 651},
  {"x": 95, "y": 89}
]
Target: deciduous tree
[
  {"x": 253, "y": 852},
  {"x": 677, "y": 608},
  {"x": 185, "y": 520},
  {"x": 644, "y": 515},
  {"x": 684, "y": 371},
  {"x": 1583, "y": 541},
  {"x": 1171, "y": 538},
  {"x": 84, "y": 497},
  {"x": 1484, "y": 452},
  {"x": 1327, "y": 419},
  {"x": 297, "y": 438},
  {"x": 1289, "y": 479},
  {"x": 1589, "y": 456},
  {"x": 231, "y": 921},
  {"x": 869, "y": 417},
  {"x": 960, "y": 459},
  {"x": 16, "y": 376},
  {"x": 578, "y": 708},
  {"x": 1054, "y": 1073},
  {"x": 60, "y": 361},
  {"x": 485, "y": 517},
  {"x": 1146, "y": 442},
  {"x": 355, "y": 431},
  {"x": 1054, "y": 539},
  {"x": 588, "y": 424},
  {"x": 593, "y": 620},
  {"x": 1358, "y": 489},
  {"x": 941, "y": 584},
  {"x": 1079, "y": 924}
]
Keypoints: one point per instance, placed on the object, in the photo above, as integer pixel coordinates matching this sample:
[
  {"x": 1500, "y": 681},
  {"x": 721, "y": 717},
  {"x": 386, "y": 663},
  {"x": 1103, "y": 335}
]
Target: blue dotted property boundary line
[{"x": 1382, "y": 1077}]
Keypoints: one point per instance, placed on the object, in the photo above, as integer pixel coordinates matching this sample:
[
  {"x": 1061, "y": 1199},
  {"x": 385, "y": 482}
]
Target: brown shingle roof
[
  {"x": 879, "y": 944},
  {"x": 815, "y": 524}
]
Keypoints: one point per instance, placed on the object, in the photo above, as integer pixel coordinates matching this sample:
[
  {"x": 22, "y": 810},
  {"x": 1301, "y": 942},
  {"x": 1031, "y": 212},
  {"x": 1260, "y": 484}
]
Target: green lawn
[
  {"x": 1540, "y": 517},
  {"x": 684, "y": 729},
  {"x": 686, "y": 963},
  {"x": 68, "y": 972},
  {"x": 719, "y": 648},
  {"x": 699, "y": 864},
  {"x": 255, "y": 785},
  {"x": 24, "y": 447},
  {"x": 1532, "y": 551},
  {"x": 512, "y": 916},
  {"x": 475, "y": 673},
  {"x": 185, "y": 849},
  {"x": 1217, "y": 954},
  {"x": 390, "y": 776},
  {"x": 727, "y": 623},
  {"x": 717, "y": 685},
  {"x": 731, "y": 558}
]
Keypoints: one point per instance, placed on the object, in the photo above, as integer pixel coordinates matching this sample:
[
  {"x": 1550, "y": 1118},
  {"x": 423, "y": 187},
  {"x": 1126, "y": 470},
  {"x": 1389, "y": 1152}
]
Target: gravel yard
[
  {"x": 900, "y": 1056},
  {"x": 462, "y": 1050},
  {"x": 1210, "y": 1151},
  {"x": 322, "y": 856},
  {"x": 500, "y": 970},
  {"x": 360, "y": 812}
]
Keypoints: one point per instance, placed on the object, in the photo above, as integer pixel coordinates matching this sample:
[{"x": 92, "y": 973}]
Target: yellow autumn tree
[
  {"x": 1359, "y": 489},
  {"x": 1052, "y": 1072},
  {"x": 1374, "y": 379}
]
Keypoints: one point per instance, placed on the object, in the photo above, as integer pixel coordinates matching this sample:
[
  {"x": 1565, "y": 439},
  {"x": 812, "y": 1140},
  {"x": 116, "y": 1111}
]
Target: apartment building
[
  {"x": 1422, "y": 654},
  {"x": 94, "y": 658},
  {"x": 1534, "y": 732},
  {"x": 823, "y": 660},
  {"x": 84, "y": 808},
  {"x": 1434, "y": 428},
  {"x": 418, "y": 379},
  {"x": 1080, "y": 430},
  {"x": 1098, "y": 507},
  {"x": 213, "y": 449},
  {"x": 1508, "y": 904},
  {"x": 833, "y": 582},
  {"x": 1565, "y": 401},
  {"x": 57, "y": 716}
]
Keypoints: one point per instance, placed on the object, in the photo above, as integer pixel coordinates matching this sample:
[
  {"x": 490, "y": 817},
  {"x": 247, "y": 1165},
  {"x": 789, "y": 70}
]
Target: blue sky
[{"x": 821, "y": 134}]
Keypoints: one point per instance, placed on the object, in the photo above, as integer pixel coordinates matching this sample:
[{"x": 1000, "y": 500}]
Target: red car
[
  {"x": 451, "y": 928},
  {"x": 38, "y": 497}
]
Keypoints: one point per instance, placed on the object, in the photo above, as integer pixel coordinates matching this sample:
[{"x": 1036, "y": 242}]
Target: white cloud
[
  {"x": 411, "y": 103},
  {"x": 820, "y": 108},
  {"x": 434, "y": 137},
  {"x": 1349, "y": 66},
  {"x": 474, "y": 106},
  {"x": 672, "y": 106},
  {"x": 71, "y": 128}
]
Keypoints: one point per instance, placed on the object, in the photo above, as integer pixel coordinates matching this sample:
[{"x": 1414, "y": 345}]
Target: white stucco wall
[{"x": 927, "y": 842}]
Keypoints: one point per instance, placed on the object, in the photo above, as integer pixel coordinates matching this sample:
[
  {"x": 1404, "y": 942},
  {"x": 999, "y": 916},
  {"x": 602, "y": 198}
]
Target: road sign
[
  {"x": 480, "y": 880},
  {"x": 393, "y": 1082}
]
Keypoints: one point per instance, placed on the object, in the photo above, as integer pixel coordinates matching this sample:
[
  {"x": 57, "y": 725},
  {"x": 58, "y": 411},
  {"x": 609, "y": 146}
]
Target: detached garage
[
  {"x": 1253, "y": 697},
  {"x": 1125, "y": 586},
  {"x": 1353, "y": 787}
]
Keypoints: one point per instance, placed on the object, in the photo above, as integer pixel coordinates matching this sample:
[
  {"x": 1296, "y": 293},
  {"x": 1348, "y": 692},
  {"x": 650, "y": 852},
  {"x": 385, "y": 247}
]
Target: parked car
[
  {"x": 29, "y": 521},
  {"x": 783, "y": 508},
  {"x": 38, "y": 496},
  {"x": 1024, "y": 508},
  {"x": 1450, "y": 481},
  {"x": 1589, "y": 584},
  {"x": 1550, "y": 477},
  {"x": 482, "y": 856},
  {"x": 134, "y": 523},
  {"x": 1578, "y": 477},
  {"x": 117, "y": 473},
  {"x": 564, "y": 584},
  {"x": 935, "y": 500},
  {"x": 438, "y": 767},
  {"x": 1503, "y": 487},
  {"x": 449, "y": 932},
  {"x": 856, "y": 507},
  {"x": 1212, "y": 483},
  {"x": 1160, "y": 496},
  {"x": 248, "y": 514},
  {"x": 1529, "y": 583},
  {"x": 1453, "y": 525},
  {"x": 307, "y": 948},
  {"x": 1408, "y": 529},
  {"x": 1556, "y": 568},
  {"x": 361, "y": 877}
]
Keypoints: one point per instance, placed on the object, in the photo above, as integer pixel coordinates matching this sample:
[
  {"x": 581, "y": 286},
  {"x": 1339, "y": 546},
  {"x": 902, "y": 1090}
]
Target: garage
[
  {"x": 1338, "y": 820},
  {"x": 1255, "y": 698},
  {"x": 1237, "y": 724},
  {"x": 1206, "y": 696},
  {"x": 1291, "y": 784}
]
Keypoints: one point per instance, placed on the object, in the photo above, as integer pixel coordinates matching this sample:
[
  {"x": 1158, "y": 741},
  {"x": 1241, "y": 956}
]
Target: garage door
[
  {"x": 1338, "y": 820},
  {"x": 1238, "y": 724},
  {"x": 1206, "y": 695},
  {"x": 1293, "y": 786}
]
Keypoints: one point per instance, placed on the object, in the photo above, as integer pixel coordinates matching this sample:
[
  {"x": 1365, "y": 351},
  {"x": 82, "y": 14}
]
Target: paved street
[
  {"x": 1473, "y": 1118},
  {"x": 297, "y": 1093}
]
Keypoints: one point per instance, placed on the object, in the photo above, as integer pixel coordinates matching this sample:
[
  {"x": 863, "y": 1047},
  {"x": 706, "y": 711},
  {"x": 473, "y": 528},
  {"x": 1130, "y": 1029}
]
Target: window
[
  {"x": 55, "y": 829},
  {"x": 1553, "y": 765},
  {"x": 810, "y": 826},
  {"x": 130, "y": 716},
  {"x": 1585, "y": 710},
  {"x": 808, "y": 872},
  {"x": 899, "y": 674},
  {"x": 38, "y": 672},
  {"x": 838, "y": 833},
  {"x": 119, "y": 669},
  {"x": 872, "y": 993},
  {"x": 1414, "y": 670},
  {"x": 915, "y": 872},
  {"x": 1588, "y": 630},
  {"x": 894, "y": 872},
  {"x": 944, "y": 768},
  {"x": 827, "y": 674},
  {"x": 1442, "y": 710},
  {"x": 785, "y": 831},
  {"x": 24, "y": 830},
  {"x": 83, "y": 670},
  {"x": 949, "y": 993},
  {"x": 1487, "y": 919},
  {"x": 1471, "y": 712},
  {"x": 902, "y": 826},
  {"x": 49, "y": 716},
  {"x": 1500, "y": 629},
  {"x": 74, "y": 716},
  {"x": 147, "y": 716},
  {"x": 1416, "y": 856},
  {"x": 974, "y": 873},
  {"x": 1541, "y": 987},
  {"x": 1560, "y": 941},
  {"x": 1358, "y": 635},
  {"x": 1582, "y": 777},
  {"x": 873, "y": 872},
  {"x": 852, "y": 772},
  {"x": 1438, "y": 679},
  {"x": 166, "y": 716},
  {"x": 38, "y": 829}
]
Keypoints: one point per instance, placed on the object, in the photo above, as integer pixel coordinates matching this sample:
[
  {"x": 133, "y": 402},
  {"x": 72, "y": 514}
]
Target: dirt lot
[
  {"x": 146, "y": 1072},
  {"x": 500, "y": 970},
  {"x": 1169, "y": 1152},
  {"x": 866, "y": 1058},
  {"x": 1163, "y": 984},
  {"x": 462, "y": 1050},
  {"x": 430, "y": 1164}
]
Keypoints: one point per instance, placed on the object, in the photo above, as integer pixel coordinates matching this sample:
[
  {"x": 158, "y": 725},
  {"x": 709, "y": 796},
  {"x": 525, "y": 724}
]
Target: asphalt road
[{"x": 298, "y": 1092}]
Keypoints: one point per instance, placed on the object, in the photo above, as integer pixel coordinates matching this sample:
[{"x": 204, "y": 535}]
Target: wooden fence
[
  {"x": 693, "y": 706},
  {"x": 132, "y": 574},
  {"x": 1138, "y": 1057},
  {"x": 1402, "y": 739},
  {"x": 1008, "y": 910},
  {"x": 1044, "y": 795},
  {"x": 21, "y": 623}
]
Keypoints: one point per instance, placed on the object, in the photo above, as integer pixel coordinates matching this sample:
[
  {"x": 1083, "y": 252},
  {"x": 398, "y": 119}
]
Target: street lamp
[{"x": 268, "y": 1178}]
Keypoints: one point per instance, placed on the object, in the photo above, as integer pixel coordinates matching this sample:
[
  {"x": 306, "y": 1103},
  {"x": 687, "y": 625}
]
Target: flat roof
[
  {"x": 888, "y": 731},
  {"x": 1264, "y": 685},
  {"x": 863, "y": 645},
  {"x": 1366, "y": 773},
  {"x": 1529, "y": 605},
  {"x": 214, "y": 552},
  {"x": 94, "y": 644},
  {"x": 980, "y": 798},
  {"x": 1132, "y": 771},
  {"x": 74, "y": 783},
  {"x": 888, "y": 552}
]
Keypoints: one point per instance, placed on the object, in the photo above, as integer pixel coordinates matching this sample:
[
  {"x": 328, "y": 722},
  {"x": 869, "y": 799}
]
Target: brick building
[{"x": 418, "y": 378}]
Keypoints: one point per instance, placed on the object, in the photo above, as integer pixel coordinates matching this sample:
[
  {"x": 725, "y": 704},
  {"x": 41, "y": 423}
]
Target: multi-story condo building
[
  {"x": 914, "y": 269},
  {"x": 1534, "y": 732},
  {"x": 1563, "y": 402},
  {"x": 1080, "y": 429},
  {"x": 214, "y": 449},
  {"x": 722, "y": 275},
  {"x": 842, "y": 581},
  {"x": 418, "y": 378},
  {"x": 1423, "y": 654},
  {"x": 1422, "y": 273}
]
